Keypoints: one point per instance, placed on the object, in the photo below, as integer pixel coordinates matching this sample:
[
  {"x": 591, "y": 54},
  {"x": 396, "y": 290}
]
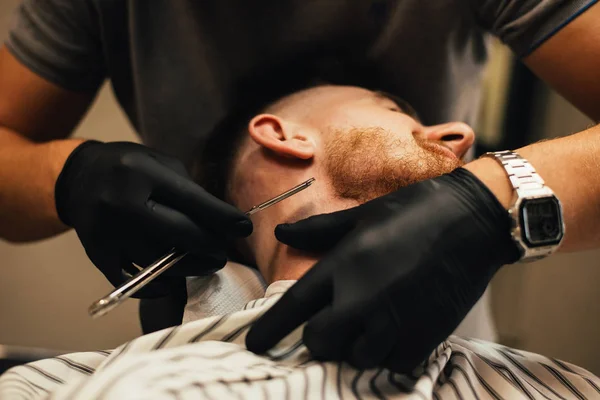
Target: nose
[{"x": 457, "y": 136}]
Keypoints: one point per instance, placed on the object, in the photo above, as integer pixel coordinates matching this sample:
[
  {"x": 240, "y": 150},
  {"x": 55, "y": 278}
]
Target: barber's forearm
[
  {"x": 571, "y": 168},
  {"x": 28, "y": 173}
]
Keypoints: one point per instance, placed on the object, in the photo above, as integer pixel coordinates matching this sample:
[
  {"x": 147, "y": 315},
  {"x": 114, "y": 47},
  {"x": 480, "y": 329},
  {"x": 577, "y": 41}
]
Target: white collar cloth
[{"x": 207, "y": 359}]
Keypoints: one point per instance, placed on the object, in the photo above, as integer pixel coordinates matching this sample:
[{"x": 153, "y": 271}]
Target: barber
[{"x": 173, "y": 65}]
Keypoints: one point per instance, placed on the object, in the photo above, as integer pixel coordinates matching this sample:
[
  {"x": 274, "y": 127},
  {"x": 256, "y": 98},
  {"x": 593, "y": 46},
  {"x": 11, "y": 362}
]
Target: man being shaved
[{"x": 358, "y": 144}]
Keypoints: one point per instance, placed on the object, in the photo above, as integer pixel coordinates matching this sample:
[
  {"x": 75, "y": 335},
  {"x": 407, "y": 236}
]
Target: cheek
[
  {"x": 400, "y": 126},
  {"x": 397, "y": 124},
  {"x": 334, "y": 119}
]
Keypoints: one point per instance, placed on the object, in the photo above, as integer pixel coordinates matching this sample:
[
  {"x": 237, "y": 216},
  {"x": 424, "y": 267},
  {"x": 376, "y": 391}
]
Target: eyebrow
[{"x": 404, "y": 105}]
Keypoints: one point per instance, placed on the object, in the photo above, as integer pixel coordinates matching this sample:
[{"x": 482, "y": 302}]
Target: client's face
[
  {"x": 359, "y": 144},
  {"x": 371, "y": 146},
  {"x": 356, "y": 143}
]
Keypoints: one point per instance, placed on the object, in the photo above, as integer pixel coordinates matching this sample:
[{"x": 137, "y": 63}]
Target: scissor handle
[{"x": 134, "y": 284}]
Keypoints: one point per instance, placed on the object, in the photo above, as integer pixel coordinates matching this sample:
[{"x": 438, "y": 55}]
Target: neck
[
  {"x": 288, "y": 264},
  {"x": 275, "y": 260}
]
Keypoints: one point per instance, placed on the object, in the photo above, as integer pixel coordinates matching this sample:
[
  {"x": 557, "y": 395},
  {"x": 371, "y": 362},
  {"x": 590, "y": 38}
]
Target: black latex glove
[
  {"x": 130, "y": 204},
  {"x": 407, "y": 269}
]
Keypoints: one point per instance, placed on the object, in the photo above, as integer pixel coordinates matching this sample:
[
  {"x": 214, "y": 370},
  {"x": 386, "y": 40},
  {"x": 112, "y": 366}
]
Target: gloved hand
[
  {"x": 129, "y": 204},
  {"x": 405, "y": 270}
]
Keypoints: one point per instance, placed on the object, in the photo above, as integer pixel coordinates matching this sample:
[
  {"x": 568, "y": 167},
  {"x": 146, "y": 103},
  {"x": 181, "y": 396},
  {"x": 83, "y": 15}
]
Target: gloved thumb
[{"x": 318, "y": 233}]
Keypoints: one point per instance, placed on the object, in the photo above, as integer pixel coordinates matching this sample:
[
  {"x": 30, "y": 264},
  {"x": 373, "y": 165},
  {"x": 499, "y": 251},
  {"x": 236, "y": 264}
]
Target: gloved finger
[
  {"x": 144, "y": 248},
  {"x": 191, "y": 199},
  {"x": 402, "y": 359},
  {"x": 157, "y": 288},
  {"x": 329, "y": 335},
  {"x": 107, "y": 259},
  {"x": 139, "y": 246},
  {"x": 198, "y": 265},
  {"x": 318, "y": 233},
  {"x": 115, "y": 275},
  {"x": 171, "y": 163},
  {"x": 374, "y": 346},
  {"x": 308, "y": 296},
  {"x": 112, "y": 264},
  {"x": 136, "y": 246},
  {"x": 175, "y": 229},
  {"x": 412, "y": 344}
]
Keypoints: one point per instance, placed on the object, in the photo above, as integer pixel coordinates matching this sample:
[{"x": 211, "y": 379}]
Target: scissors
[{"x": 126, "y": 290}]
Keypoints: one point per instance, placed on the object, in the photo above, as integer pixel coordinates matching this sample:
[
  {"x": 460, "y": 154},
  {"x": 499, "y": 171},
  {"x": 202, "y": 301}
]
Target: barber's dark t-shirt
[{"x": 172, "y": 63}]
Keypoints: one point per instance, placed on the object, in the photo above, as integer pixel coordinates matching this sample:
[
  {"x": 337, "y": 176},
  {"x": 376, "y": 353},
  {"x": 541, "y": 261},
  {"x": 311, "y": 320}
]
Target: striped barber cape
[{"x": 207, "y": 359}]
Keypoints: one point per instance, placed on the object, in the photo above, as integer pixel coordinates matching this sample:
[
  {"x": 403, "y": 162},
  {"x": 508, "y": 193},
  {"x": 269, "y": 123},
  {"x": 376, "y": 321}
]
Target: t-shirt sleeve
[
  {"x": 60, "y": 41},
  {"x": 525, "y": 24}
]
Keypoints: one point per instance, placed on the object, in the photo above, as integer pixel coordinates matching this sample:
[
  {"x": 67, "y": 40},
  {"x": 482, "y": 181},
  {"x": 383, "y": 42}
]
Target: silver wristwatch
[{"x": 536, "y": 213}]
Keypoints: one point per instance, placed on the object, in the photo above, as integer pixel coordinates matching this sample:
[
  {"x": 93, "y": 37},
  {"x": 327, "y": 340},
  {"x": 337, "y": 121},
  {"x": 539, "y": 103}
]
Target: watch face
[{"x": 541, "y": 220}]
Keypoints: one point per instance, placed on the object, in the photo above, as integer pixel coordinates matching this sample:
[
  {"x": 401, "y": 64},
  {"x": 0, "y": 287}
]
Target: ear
[{"x": 282, "y": 137}]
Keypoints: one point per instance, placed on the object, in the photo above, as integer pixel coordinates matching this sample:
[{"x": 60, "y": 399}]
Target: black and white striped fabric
[{"x": 206, "y": 359}]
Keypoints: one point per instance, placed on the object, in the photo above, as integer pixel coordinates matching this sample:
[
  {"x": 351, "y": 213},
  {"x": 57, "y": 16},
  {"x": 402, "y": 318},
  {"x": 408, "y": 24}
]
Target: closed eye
[{"x": 403, "y": 106}]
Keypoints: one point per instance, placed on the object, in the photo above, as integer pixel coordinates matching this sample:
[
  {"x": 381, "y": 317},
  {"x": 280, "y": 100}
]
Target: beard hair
[{"x": 367, "y": 163}]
